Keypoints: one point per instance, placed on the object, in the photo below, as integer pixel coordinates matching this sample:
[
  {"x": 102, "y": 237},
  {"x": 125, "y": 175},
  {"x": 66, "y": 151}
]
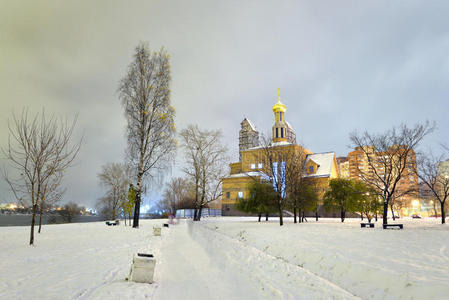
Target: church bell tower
[{"x": 280, "y": 126}]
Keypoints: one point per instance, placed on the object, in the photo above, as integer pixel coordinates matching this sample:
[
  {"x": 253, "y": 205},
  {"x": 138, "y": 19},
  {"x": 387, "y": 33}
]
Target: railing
[{"x": 206, "y": 212}]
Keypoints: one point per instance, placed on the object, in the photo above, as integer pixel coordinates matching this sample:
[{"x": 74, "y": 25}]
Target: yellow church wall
[
  {"x": 334, "y": 170},
  {"x": 236, "y": 168},
  {"x": 254, "y": 156},
  {"x": 233, "y": 186},
  {"x": 251, "y": 157}
]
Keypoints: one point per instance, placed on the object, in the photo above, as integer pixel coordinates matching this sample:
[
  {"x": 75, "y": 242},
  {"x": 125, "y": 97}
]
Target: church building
[{"x": 319, "y": 167}]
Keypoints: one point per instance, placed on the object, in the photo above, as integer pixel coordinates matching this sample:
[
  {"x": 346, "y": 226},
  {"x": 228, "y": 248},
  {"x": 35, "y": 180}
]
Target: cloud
[{"x": 340, "y": 66}]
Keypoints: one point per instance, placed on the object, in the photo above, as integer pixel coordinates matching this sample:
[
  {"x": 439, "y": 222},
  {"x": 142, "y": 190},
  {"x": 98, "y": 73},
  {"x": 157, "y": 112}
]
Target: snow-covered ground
[
  {"x": 229, "y": 258},
  {"x": 368, "y": 263}
]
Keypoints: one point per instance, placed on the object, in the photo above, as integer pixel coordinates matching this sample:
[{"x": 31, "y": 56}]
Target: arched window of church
[
  {"x": 277, "y": 134},
  {"x": 280, "y": 116},
  {"x": 282, "y": 132}
]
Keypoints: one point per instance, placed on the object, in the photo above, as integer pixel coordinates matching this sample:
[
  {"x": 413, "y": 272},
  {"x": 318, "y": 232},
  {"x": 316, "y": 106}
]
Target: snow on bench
[
  {"x": 386, "y": 226},
  {"x": 370, "y": 225}
]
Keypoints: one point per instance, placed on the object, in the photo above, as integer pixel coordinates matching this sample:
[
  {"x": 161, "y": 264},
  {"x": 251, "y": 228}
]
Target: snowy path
[
  {"x": 273, "y": 277},
  {"x": 196, "y": 263},
  {"x": 186, "y": 271}
]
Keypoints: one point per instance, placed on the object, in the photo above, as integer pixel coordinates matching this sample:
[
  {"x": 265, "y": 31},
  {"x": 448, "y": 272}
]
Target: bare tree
[
  {"x": 115, "y": 177},
  {"x": 205, "y": 164},
  {"x": 70, "y": 212},
  {"x": 294, "y": 178},
  {"x": 434, "y": 173},
  {"x": 51, "y": 193},
  {"x": 145, "y": 96},
  {"x": 390, "y": 156},
  {"x": 38, "y": 148},
  {"x": 175, "y": 193},
  {"x": 283, "y": 167}
]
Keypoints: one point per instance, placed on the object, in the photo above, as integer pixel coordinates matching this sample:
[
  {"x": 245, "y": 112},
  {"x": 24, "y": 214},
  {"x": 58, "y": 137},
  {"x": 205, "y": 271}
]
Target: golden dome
[{"x": 279, "y": 106}]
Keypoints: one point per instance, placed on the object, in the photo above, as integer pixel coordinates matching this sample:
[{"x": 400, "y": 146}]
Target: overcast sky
[{"x": 340, "y": 65}]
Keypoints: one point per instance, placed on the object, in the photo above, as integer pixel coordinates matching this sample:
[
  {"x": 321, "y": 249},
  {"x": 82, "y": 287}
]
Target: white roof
[
  {"x": 283, "y": 143},
  {"x": 248, "y": 174},
  {"x": 324, "y": 162}
]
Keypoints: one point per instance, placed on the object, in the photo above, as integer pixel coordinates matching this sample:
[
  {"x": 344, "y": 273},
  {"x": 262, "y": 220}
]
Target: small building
[
  {"x": 343, "y": 167},
  {"x": 321, "y": 168}
]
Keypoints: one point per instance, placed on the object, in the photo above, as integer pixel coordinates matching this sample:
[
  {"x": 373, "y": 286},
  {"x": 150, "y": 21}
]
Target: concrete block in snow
[
  {"x": 157, "y": 231},
  {"x": 142, "y": 269}
]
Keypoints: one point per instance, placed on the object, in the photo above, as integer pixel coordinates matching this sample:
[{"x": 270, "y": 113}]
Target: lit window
[
  {"x": 282, "y": 132},
  {"x": 253, "y": 166},
  {"x": 240, "y": 195},
  {"x": 260, "y": 165}
]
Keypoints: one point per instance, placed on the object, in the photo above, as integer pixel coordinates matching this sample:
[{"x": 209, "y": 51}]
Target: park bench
[
  {"x": 400, "y": 226},
  {"x": 370, "y": 225}
]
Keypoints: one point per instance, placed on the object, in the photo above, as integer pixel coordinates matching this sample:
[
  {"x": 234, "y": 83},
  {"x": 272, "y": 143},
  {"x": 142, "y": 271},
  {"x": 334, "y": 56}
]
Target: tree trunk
[
  {"x": 443, "y": 214},
  {"x": 138, "y": 194},
  {"x": 260, "y": 216},
  {"x": 266, "y": 217},
  {"x": 375, "y": 216},
  {"x": 40, "y": 218},
  {"x": 384, "y": 217},
  {"x": 342, "y": 215},
  {"x": 200, "y": 211},
  {"x": 33, "y": 221},
  {"x": 294, "y": 214},
  {"x": 281, "y": 220},
  {"x": 392, "y": 212},
  {"x": 136, "y": 211},
  {"x": 299, "y": 215},
  {"x": 316, "y": 215},
  {"x": 361, "y": 216}
]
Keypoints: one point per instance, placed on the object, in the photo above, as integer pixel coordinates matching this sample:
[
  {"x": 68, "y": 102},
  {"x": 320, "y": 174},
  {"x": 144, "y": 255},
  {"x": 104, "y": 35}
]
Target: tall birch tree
[{"x": 145, "y": 96}]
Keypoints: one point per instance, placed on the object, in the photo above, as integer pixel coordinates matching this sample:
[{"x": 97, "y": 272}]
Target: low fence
[{"x": 206, "y": 212}]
